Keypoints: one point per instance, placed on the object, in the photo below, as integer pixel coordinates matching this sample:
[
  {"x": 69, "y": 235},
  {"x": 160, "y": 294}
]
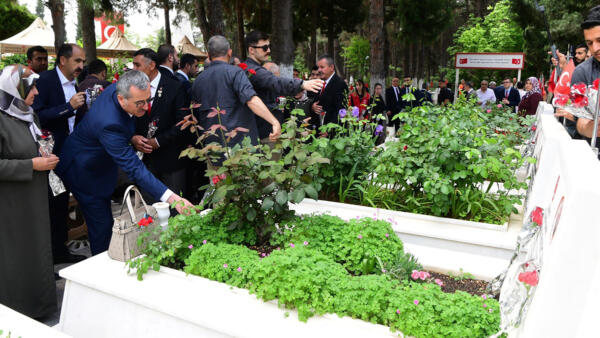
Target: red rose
[
  {"x": 405, "y": 148},
  {"x": 216, "y": 179},
  {"x": 252, "y": 71},
  {"x": 537, "y": 216},
  {"x": 243, "y": 66},
  {"x": 534, "y": 128}
]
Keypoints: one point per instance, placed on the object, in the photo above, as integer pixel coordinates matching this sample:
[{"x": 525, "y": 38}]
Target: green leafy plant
[{"x": 256, "y": 180}]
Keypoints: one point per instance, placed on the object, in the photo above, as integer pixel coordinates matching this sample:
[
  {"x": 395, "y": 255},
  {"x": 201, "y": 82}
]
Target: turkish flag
[
  {"x": 463, "y": 61},
  {"x": 563, "y": 86},
  {"x": 516, "y": 61}
]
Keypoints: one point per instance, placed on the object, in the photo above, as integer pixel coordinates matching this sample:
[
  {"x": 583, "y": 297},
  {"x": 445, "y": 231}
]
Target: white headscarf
[{"x": 11, "y": 101}]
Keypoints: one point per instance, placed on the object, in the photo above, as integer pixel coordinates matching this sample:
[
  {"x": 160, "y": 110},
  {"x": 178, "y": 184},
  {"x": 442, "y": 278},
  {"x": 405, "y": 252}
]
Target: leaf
[
  {"x": 267, "y": 204},
  {"x": 251, "y": 214},
  {"x": 297, "y": 195},
  {"x": 311, "y": 192},
  {"x": 281, "y": 197}
]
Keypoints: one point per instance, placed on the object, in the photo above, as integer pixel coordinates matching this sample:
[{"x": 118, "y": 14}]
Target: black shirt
[{"x": 227, "y": 87}]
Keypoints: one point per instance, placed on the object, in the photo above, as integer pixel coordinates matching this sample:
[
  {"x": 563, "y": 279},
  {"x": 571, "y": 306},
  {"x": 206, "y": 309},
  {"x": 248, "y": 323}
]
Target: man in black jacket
[
  {"x": 268, "y": 86},
  {"x": 393, "y": 98},
  {"x": 157, "y": 136},
  {"x": 333, "y": 96}
]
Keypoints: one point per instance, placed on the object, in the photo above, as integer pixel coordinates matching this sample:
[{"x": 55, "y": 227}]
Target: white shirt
[
  {"x": 486, "y": 98},
  {"x": 184, "y": 74},
  {"x": 69, "y": 90},
  {"x": 329, "y": 79},
  {"x": 154, "y": 86}
]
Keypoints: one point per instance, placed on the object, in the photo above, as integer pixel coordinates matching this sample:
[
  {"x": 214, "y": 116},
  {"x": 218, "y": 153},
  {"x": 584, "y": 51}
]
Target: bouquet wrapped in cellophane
[
  {"x": 46, "y": 142},
  {"x": 152, "y": 128},
  {"x": 580, "y": 102}
]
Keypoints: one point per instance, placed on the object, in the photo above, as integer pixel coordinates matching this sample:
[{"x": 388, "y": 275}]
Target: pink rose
[{"x": 415, "y": 274}]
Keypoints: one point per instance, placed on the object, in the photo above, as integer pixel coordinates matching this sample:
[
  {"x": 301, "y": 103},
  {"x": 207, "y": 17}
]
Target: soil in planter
[
  {"x": 454, "y": 283},
  {"x": 265, "y": 249}
]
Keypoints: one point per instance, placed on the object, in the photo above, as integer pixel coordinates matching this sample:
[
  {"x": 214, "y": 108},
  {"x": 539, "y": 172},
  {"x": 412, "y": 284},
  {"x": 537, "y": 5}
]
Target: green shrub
[{"x": 357, "y": 245}]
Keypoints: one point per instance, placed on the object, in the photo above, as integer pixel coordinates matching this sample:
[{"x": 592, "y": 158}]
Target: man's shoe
[{"x": 68, "y": 258}]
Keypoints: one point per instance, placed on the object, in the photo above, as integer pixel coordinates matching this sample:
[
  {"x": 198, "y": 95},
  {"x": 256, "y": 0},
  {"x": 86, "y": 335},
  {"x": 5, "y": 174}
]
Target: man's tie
[
  {"x": 396, "y": 92},
  {"x": 323, "y": 89},
  {"x": 506, "y": 93},
  {"x": 149, "y": 108}
]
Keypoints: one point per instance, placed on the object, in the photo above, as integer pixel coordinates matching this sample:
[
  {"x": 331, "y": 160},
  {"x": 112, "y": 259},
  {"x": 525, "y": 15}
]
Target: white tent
[
  {"x": 117, "y": 45},
  {"x": 37, "y": 34},
  {"x": 185, "y": 46}
]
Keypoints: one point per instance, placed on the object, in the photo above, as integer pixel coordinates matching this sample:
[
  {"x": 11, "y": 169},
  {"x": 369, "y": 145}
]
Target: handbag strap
[{"x": 127, "y": 200}]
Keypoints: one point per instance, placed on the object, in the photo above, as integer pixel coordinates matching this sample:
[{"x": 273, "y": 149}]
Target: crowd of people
[{"x": 136, "y": 128}]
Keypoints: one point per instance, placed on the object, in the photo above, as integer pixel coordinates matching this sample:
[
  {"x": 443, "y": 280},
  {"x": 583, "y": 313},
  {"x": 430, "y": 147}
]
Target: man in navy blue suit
[
  {"x": 188, "y": 68},
  {"x": 507, "y": 94},
  {"x": 100, "y": 144},
  {"x": 60, "y": 107}
]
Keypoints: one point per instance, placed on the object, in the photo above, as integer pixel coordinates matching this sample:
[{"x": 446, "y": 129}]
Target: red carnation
[
  {"x": 561, "y": 100},
  {"x": 216, "y": 179},
  {"x": 579, "y": 88},
  {"x": 529, "y": 278},
  {"x": 537, "y": 216},
  {"x": 596, "y": 82},
  {"x": 243, "y": 66},
  {"x": 252, "y": 71},
  {"x": 580, "y": 101},
  {"x": 534, "y": 128}
]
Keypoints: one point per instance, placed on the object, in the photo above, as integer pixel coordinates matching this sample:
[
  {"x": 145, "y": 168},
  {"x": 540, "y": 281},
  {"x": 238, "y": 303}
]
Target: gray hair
[
  {"x": 327, "y": 58},
  {"x": 272, "y": 67},
  {"x": 217, "y": 46},
  {"x": 132, "y": 78}
]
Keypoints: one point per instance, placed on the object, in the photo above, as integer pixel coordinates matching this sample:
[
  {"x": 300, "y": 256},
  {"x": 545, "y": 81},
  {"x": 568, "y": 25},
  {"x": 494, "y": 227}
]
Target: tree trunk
[
  {"x": 330, "y": 37},
  {"x": 313, "y": 36},
  {"x": 377, "y": 41},
  {"x": 339, "y": 61},
  {"x": 239, "y": 16},
  {"x": 57, "y": 9},
  {"x": 86, "y": 12},
  {"x": 167, "y": 22},
  {"x": 202, "y": 22},
  {"x": 214, "y": 14},
  {"x": 282, "y": 28}
]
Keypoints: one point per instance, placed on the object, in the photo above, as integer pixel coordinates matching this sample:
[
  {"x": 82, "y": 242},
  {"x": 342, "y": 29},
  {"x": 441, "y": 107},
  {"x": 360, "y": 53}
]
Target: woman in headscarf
[
  {"x": 532, "y": 98},
  {"x": 26, "y": 272}
]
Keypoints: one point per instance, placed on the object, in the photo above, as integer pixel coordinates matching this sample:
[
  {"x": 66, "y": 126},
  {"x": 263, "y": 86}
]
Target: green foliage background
[{"x": 13, "y": 18}]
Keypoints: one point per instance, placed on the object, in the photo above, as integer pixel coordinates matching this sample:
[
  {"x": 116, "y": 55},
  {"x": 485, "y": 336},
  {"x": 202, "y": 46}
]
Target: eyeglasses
[
  {"x": 264, "y": 47},
  {"x": 141, "y": 103}
]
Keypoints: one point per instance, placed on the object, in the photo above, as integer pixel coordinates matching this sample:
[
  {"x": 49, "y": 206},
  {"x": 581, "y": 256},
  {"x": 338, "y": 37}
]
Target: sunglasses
[
  {"x": 141, "y": 103},
  {"x": 263, "y": 47}
]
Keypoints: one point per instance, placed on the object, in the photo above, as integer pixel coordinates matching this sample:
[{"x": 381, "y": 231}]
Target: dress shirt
[
  {"x": 154, "y": 86},
  {"x": 182, "y": 73},
  {"x": 327, "y": 81},
  {"x": 69, "y": 90},
  {"x": 487, "y": 97}
]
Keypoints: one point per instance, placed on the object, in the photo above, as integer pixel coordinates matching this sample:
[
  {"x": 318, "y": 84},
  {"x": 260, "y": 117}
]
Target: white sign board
[{"x": 489, "y": 60}]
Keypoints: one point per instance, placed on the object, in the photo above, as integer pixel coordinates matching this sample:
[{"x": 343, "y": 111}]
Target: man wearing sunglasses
[
  {"x": 156, "y": 134},
  {"x": 100, "y": 143},
  {"x": 269, "y": 87}
]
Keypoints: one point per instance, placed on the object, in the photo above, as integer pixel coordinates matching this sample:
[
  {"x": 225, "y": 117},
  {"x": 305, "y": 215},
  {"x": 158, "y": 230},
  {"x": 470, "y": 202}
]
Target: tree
[
  {"x": 86, "y": 25},
  {"x": 57, "y": 9},
  {"x": 357, "y": 56},
  {"x": 209, "y": 15},
  {"x": 14, "y": 19},
  {"x": 496, "y": 32},
  {"x": 39, "y": 9},
  {"x": 377, "y": 41},
  {"x": 282, "y": 36}
]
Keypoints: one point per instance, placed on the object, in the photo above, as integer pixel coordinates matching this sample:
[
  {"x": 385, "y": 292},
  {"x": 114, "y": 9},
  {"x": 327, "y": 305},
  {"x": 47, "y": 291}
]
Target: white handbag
[{"x": 126, "y": 230}]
